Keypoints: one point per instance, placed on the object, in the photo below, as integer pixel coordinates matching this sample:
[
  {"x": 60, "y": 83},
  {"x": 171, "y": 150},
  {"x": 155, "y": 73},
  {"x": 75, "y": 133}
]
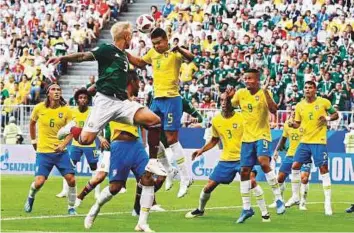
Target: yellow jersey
[
  {"x": 294, "y": 136},
  {"x": 116, "y": 128},
  {"x": 308, "y": 114},
  {"x": 255, "y": 113},
  {"x": 187, "y": 71},
  {"x": 230, "y": 131},
  {"x": 80, "y": 118},
  {"x": 166, "y": 68},
  {"x": 49, "y": 121}
]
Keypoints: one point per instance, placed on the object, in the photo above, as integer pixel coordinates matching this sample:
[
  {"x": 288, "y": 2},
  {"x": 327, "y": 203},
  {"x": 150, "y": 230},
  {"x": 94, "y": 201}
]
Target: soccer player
[
  {"x": 127, "y": 153},
  {"x": 294, "y": 136},
  {"x": 111, "y": 102},
  {"x": 167, "y": 101},
  {"x": 312, "y": 114},
  {"x": 80, "y": 114},
  {"x": 255, "y": 104},
  {"x": 227, "y": 127},
  {"x": 50, "y": 116}
]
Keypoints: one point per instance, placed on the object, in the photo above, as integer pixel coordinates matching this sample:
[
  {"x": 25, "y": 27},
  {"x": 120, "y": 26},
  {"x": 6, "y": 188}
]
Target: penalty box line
[{"x": 129, "y": 212}]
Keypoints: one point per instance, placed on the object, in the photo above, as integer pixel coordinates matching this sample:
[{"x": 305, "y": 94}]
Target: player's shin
[
  {"x": 203, "y": 199},
  {"x": 104, "y": 197},
  {"x": 295, "y": 183},
  {"x": 161, "y": 155},
  {"x": 258, "y": 193},
  {"x": 87, "y": 189},
  {"x": 180, "y": 158},
  {"x": 33, "y": 190},
  {"x": 71, "y": 197},
  {"x": 303, "y": 193},
  {"x": 137, "y": 199},
  {"x": 273, "y": 182},
  {"x": 146, "y": 201},
  {"x": 245, "y": 188}
]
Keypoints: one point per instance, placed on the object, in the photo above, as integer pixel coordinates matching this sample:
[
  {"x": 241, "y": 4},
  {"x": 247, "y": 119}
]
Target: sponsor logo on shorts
[{"x": 114, "y": 172}]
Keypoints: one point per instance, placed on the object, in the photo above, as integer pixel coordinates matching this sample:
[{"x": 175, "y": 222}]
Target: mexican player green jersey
[{"x": 113, "y": 66}]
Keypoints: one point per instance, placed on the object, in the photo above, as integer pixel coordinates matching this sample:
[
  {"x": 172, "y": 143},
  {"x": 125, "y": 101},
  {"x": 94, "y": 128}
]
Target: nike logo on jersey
[{"x": 116, "y": 55}]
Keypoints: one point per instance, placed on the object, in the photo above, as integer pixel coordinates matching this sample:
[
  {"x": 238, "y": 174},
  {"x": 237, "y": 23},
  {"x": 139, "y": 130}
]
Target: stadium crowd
[{"x": 289, "y": 41}]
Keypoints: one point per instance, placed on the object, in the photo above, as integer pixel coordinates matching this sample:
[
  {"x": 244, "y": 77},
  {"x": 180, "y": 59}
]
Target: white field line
[{"x": 129, "y": 212}]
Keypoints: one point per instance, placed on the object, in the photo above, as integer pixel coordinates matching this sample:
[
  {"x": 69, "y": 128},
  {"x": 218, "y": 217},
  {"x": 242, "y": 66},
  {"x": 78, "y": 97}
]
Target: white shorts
[
  {"x": 103, "y": 165},
  {"x": 108, "y": 108}
]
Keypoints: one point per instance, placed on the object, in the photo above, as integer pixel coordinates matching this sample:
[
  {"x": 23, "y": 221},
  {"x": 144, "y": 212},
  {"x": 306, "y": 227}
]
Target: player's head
[
  {"x": 122, "y": 32},
  {"x": 82, "y": 97},
  {"x": 159, "y": 40},
  {"x": 251, "y": 78},
  {"x": 54, "y": 95},
  {"x": 133, "y": 83},
  {"x": 310, "y": 89},
  {"x": 225, "y": 103}
]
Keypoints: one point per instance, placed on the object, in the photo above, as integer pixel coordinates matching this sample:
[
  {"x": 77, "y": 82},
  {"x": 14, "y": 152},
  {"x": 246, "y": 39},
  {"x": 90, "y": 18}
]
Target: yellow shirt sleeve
[
  {"x": 235, "y": 99},
  {"x": 297, "y": 113},
  {"x": 34, "y": 115},
  {"x": 147, "y": 56},
  {"x": 214, "y": 133},
  {"x": 327, "y": 104}
]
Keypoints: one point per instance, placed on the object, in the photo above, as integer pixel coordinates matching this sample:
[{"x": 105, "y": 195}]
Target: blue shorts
[
  {"x": 225, "y": 171},
  {"x": 287, "y": 163},
  {"x": 90, "y": 153},
  {"x": 251, "y": 150},
  {"x": 170, "y": 111},
  {"x": 318, "y": 151},
  {"x": 46, "y": 161},
  {"x": 126, "y": 156}
]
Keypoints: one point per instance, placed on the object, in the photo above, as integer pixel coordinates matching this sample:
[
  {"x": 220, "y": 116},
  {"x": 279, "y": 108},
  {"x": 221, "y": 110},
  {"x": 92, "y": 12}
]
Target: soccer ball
[{"x": 145, "y": 23}]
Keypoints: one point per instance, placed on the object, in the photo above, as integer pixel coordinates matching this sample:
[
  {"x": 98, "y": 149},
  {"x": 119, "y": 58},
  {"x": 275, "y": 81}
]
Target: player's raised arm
[
  {"x": 272, "y": 106},
  {"x": 213, "y": 142},
  {"x": 75, "y": 57},
  {"x": 136, "y": 61}
]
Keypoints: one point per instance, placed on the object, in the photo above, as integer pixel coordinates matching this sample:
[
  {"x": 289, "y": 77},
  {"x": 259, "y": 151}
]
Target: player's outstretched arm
[
  {"x": 33, "y": 134},
  {"x": 136, "y": 61},
  {"x": 74, "y": 57},
  {"x": 185, "y": 53},
  {"x": 213, "y": 142}
]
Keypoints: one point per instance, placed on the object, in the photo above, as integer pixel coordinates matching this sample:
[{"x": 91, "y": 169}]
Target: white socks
[
  {"x": 146, "y": 200},
  {"x": 32, "y": 191},
  {"x": 97, "y": 188},
  {"x": 282, "y": 188},
  {"x": 178, "y": 155},
  {"x": 273, "y": 182},
  {"x": 258, "y": 193},
  {"x": 71, "y": 196},
  {"x": 65, "y": 186},
  {"x": 295, "y": 183},
  {"x": 161, "y": 155},
  {"x": 104, "y": 197},
  {"x": 304, "y": 188},
  {"x": 203, "y": 199},
  {"x": 326, "y": 183},
  {"x": 245, "y": 188}
]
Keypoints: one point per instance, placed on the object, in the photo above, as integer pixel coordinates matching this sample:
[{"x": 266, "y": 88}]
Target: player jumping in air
[
  {"x": 255, "y": 103},
  {"x": 312, "y": 114},
  {"x": 111, "y": 102},
  {"x": 127, "y": 153},
  {"x": 50, "y": 116},
  {"x": 167, "y": 101},
  {"x": 227, "y": 127},
  {"x": 294, "y": 136}
]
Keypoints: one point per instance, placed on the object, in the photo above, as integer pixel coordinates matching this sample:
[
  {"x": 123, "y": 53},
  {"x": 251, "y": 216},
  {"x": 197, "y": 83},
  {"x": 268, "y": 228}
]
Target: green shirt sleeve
[
  {"x": 100, "y": 51},
  {"x": 188, "y": 108}
]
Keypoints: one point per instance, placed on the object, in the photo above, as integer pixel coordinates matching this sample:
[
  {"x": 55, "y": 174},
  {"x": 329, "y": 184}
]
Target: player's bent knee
[
  {"x": 253, "y": 183},
  {"x": 324, "y": 169},
  {"x": 304, "y": 179},
  {"x": 114, "y": 188},
  {"x": 39, "y": 181},
  {"x": 70, "y": 179},
  {"x": 147, "y": 179},
  {"x": 296, "y": 166}
]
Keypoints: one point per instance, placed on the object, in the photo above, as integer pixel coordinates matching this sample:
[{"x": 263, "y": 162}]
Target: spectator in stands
[
  {"x": 72, "y": 101},
  {"x": 12, "y": 133},
  {"x": 9, "y": 109},
  {"x": 156, "y": 14},
  {"x": 167, "y": 8}
]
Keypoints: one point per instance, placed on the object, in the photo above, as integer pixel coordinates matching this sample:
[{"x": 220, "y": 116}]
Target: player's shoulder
[
  {"x": 217, "y": 118},
  {"x": 66, "y": 108},
  {"x": 323, "y": 100},
  {"x": 40, "y": 106}
]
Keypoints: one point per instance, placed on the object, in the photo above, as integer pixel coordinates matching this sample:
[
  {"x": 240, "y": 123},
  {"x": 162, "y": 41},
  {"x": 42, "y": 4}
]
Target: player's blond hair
[{"x": 118, "y": 29}]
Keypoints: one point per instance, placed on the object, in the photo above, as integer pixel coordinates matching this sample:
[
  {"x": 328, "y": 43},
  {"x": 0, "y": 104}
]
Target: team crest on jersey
[
  {"x": 234, "y": 126},
  {"x": 165, "y": 54},
  {"x": 317, "y": 107},
  {"x": 257, "y": 97},
  {"x": 301, "y": 130},
  {"x": 60, "y": 115}
]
